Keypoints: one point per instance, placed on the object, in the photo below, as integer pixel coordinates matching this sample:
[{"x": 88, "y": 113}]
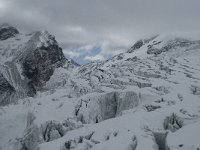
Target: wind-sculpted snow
[{"x": 145, "y": 98}]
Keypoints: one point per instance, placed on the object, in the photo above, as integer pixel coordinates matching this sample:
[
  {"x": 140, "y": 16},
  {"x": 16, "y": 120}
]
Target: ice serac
[
  {"x": 100, "y": 107},
  {"x": 27, "y": 62}
]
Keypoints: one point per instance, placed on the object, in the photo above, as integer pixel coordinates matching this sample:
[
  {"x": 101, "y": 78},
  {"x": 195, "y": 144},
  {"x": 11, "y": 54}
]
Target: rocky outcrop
[
  {"x": 52, "y": 130},
  {"x": 7, "y": 31},
  {"x": 38, "y": 64},
  {"x": 5, "y": 90},
  {"x": 172, "y": 123},
  {"x": 160, "y": 139},
  {"x": 28, "y": 64},
  {"x": 85, "y": 141},
  {"x": 137, "y": 45},
  {"x": 140, "y": 43},
  {"x": 172, "y": 44}
]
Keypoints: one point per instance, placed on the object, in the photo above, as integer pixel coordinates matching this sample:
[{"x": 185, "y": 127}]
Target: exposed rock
[
  {"x": 133, "y": 144},
  {"x": 195, "y": 90},
  {"x": 137, "y": 45},
  {"x": 151, "y": 107},
  {"x": 172, "y": 44},
  {"x": 7, "y": 31},
  {"x": 172, "y": 123},
  {"x": 162, "y": 89},
  {"x": 160, "y": 138},
  {"x": 140, "y": 43},
  {"x": 29, "y": 65},
  {"x": 38, "y": 65},
  {"x": 6, "y": 90},
  {"x": 71, "y": 124},
  {"x": 81, "y": 142},
  {"x": 52, "y": 130},
  {"x": 120, "y": 57}
]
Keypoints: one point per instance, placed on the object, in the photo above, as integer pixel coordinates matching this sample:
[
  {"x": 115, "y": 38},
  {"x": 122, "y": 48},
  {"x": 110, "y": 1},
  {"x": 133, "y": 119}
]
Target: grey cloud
[{"x": 114, "y": 24}]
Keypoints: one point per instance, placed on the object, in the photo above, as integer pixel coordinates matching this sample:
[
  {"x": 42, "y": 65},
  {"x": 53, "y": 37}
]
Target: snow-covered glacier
[{"x": 145, "y": 98}]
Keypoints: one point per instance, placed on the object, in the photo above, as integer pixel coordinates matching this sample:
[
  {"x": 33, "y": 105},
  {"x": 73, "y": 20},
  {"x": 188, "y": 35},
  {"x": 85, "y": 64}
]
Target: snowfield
[{"x": 147, "y": 98}]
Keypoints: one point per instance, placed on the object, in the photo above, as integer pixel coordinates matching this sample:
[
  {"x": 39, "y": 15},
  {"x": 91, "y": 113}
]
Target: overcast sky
[{"x": 90, "y": 30}]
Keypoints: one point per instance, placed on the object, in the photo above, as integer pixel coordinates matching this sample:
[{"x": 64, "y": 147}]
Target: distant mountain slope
[{"x": 158, "y": 59}]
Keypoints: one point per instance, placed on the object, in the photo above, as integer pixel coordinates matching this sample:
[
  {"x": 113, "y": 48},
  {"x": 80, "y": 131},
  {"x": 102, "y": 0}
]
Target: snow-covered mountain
[
  {"x": 27, "y": 61},
  {"x": 145, "y": 98}
]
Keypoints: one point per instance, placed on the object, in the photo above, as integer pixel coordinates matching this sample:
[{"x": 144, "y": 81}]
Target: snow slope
[{"x": 145, "y": 98}]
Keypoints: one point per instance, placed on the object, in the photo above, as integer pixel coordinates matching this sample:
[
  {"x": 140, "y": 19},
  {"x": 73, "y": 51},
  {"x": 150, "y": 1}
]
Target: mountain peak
[
  {"x": 5, "y": 25},
  {"x": 162, "y": 43},
  {"x": 140, "y": 43},
  {"x": 7, "y": 31}
]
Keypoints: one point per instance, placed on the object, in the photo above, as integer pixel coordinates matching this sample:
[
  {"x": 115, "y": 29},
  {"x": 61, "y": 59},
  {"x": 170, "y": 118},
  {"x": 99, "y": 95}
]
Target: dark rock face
[
  {"x": 39, "y": 66},
  {"x": 173, "y": 44},
  {"x": 7, "y": 32},
  {"x": 4, "y": 85},
  {"x": 159, "y": 51},
  {"x": 137, "y": 45},
  {"x": 52, "y": 130},
  {"x": 30, "y": 66},
  {"x": 160, "y": 138},
  {"x": 173, "y": 123},
  {"x": 5, "y": 90},
  {"x": 74, "y": 63}
]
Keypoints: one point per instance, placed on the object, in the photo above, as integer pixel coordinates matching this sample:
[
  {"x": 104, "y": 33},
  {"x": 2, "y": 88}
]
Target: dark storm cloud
[{"x": 112, "y": 25}]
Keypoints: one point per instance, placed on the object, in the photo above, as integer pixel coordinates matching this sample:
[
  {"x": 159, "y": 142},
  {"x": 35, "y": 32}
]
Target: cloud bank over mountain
[{"x": 95, "y": 30}]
